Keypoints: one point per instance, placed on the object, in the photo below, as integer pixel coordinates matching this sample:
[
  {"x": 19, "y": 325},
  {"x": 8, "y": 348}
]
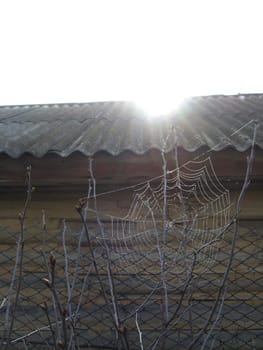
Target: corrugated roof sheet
[{"x": 213, "y": 121}]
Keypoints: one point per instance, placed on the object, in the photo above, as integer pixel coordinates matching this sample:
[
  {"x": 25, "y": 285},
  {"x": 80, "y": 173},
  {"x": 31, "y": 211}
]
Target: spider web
[{"x": 185, "y": 211}]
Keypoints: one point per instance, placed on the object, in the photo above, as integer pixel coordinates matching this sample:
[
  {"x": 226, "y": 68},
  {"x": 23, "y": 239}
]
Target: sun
[{"x": 158, "y": 105}]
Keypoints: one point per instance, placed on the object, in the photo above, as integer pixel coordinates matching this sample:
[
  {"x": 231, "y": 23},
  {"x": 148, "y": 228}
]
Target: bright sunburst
[{"x": 158, "y": 105}]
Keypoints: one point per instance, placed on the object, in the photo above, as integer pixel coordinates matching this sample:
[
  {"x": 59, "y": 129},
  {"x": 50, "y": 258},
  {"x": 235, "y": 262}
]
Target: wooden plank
[{"x": 123, "y": 169}]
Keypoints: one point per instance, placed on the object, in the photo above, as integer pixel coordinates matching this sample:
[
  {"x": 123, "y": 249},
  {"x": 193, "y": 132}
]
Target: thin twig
[
  {"x": 3, "y": 302},
  {"x": 234, "y": 238},
  {"x": 75, "y": 275},
  {"x": 77, "y": 261},
  {"x": 45, "y": 308},
  {"x": 139, "y": 331},
  {"x": 138, "y": 309},
  {"x": 58, "y": 334},
  {"x": 69, "y": 290},
  {"x": 79, "y": 209},
  {"x": 18, "y": 261},
  {"x": 24, "y": 343},
  {"x": 37, "y": 330},
  {"x": 165, "y": 302},
  {"x": 156, "y": 341},
  {"x": 53, "y": 290},
  {"x": 216, "y": 320},
  {"x": 121, "y": 330},
  {"x": 43, "y": 253},
  {"x": 173, "y": 317}
]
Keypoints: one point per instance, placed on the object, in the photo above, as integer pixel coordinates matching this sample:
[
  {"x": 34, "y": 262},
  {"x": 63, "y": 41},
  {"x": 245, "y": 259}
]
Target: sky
[{"x": 153, "y": 52}]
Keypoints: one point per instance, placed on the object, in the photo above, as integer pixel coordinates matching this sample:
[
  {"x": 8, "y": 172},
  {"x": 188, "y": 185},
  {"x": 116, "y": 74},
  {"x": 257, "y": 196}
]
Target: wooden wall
[
  {"x": 245, "y": 286},
  {"x": 241, "y": 323}
]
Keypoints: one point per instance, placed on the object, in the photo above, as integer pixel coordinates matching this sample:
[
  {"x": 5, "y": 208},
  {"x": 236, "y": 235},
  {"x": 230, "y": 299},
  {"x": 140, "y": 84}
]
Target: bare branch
[
  {"x": 139, "y": 331},
  {"x": 234, "y": 238},
  {"x": 18, "y": 263}
]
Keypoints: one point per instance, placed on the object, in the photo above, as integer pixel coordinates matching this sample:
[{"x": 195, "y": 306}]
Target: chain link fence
[{"x": 86, "y": 303}]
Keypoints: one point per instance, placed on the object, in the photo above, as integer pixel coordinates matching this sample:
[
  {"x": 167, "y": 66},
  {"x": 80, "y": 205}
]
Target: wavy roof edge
[
  {"x": 215, "y": 121},
  {"x": 64, "y": 155}
]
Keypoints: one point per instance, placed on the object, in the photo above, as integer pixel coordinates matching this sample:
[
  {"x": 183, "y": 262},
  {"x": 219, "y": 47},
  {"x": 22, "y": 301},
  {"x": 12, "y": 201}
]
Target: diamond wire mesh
[{"x": 239, "y": 324}]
